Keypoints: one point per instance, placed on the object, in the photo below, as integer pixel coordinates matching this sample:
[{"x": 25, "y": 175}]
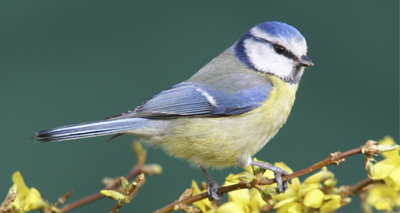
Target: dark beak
[{"x": 305, "y": 61}]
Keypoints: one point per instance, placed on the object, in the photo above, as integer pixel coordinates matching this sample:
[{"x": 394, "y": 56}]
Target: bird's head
[{"x": 275, "y": 48}]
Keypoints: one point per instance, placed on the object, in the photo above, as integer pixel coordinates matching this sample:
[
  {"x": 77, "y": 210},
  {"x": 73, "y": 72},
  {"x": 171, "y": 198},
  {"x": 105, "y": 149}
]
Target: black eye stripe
[
  {"x": 290, "y": 55},
  {"x": 287, "y": 53}
]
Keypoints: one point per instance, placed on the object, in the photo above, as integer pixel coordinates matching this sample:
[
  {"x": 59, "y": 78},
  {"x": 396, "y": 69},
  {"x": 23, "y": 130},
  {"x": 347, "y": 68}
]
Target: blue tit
[{"x": 225, "y": 113}]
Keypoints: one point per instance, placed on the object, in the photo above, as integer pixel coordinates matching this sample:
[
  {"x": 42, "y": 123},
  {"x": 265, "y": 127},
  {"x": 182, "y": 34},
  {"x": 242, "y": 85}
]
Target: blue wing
[{"x": 189, "y": 99}]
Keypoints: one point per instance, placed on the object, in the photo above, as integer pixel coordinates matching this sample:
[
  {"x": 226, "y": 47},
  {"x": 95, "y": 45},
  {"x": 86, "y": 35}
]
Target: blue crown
[{"x": 279, "y": 29}]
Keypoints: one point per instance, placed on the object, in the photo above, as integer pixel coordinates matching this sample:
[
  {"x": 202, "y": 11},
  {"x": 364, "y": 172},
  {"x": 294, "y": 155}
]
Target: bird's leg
[
  {"x": 282, "y": 185},
  {"x": 212, "y": 189}
]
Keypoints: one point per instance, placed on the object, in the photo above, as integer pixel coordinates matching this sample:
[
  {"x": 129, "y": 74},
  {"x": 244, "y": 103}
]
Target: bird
[{"x": 223, "y": 114}]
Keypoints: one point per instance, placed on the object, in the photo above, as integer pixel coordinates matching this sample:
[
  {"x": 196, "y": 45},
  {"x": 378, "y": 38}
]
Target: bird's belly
[{"x": 225, "y": 141}]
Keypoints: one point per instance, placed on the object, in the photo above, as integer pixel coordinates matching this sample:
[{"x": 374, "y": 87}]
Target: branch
[
  {"x": 135, "y": 185},
  {"x": 362, "y": 185},
  {"x": 334, "y": 158},
  {"x": 135, "y": 171}
]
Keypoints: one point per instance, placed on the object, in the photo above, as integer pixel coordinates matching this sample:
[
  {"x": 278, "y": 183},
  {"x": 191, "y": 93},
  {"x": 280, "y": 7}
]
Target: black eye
[{"x": 279, "y": 49}]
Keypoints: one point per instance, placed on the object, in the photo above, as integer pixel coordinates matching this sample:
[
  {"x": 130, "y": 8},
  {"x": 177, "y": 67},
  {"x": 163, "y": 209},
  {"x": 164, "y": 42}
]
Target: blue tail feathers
[{"x": 91, "y": 129}]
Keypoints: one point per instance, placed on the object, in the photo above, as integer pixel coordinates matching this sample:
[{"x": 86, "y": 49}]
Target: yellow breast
[{"x": 225, "y": 141}]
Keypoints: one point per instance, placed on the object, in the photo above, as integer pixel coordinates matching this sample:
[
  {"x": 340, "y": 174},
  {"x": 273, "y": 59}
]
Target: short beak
[{"x": 305, "y": 61}]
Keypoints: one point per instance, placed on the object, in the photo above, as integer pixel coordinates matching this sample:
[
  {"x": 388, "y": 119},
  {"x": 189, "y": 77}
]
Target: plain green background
[{"x": 66, "y": 62}]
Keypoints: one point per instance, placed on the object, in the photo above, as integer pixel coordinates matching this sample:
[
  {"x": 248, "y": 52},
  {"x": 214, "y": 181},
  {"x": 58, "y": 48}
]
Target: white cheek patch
[
  {"x": 297, "y": 47},
  {"x": 264, "y": 58}
]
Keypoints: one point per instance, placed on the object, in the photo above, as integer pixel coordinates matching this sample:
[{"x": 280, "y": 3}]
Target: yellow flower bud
[
  {"x": 387, "y": 147},
  {"x": 203, "y": 185},
  {"x": 124, "y": 183},
  {"x": 369, "y": 168},
  {"x": 232, "y": 178},
  {"x": 113, "y": 194},
  {"x": 267, "y": 198},
  {"x": 387, "y": 140},
  {"x": 241, "y": 177},
  {"x": 330, "y": 183},
  {"x": 319, "y": 177},
  {"x": 270, "y": 191}
]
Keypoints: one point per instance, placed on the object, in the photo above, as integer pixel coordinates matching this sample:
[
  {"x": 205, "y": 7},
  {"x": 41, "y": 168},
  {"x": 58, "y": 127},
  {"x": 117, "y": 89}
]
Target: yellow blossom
[
  {"x": 297, "y": 198},
  {"x": 389, "y": 168},
  {"x": 334, "y": 202},
  {"x": 314, "y": 198},
  {"x": 301, "y": 197},
  {"x": 330, "y": 206},
  {"x": 242, "y": 201},
  {"x": 22, "y": 189},
  {"x": 28, "y": 199},
  {"x": 383, "y": 197},
  {"x": 256, "y": 201},
  {"x": 290, "y": 201}
]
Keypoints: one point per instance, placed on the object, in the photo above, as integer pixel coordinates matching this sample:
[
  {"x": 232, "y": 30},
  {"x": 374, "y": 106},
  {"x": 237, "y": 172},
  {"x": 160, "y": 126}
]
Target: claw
[
  {"x": 285, "y": 185},
  {"x": 213, "y": 192},
  {"x": 278, "y": 179},
  {"x": 282, "y": 185}
]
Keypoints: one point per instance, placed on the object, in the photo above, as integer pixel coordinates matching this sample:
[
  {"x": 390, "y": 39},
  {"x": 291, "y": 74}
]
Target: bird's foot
[
  {"x": 278, "y": 172},
  {"x": 213, "y": 192}
]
